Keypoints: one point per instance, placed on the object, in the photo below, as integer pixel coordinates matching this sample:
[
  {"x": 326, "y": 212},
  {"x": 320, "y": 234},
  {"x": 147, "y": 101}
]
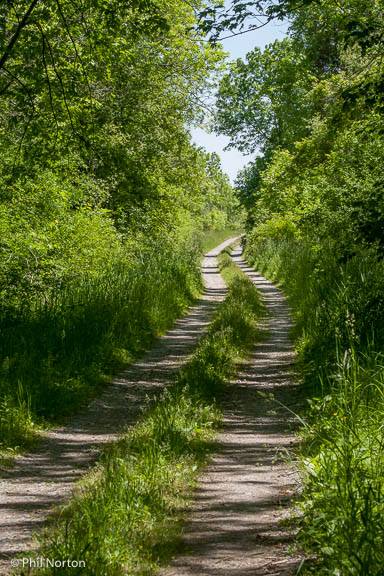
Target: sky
[{"x": 238, "y": 46}]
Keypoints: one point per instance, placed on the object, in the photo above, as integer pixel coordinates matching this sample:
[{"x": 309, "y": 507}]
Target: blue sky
[{"x": 238, "y": 46}]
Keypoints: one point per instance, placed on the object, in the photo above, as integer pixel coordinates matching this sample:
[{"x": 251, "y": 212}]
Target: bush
[{"x": 78, "y": 301}]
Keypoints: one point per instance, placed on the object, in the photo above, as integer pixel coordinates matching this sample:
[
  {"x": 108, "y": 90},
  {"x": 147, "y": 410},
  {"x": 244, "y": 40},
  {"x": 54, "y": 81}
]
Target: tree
[{"x": 262, "y": 102}]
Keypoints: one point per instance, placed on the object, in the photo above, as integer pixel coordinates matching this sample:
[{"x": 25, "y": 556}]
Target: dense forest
[
  {"x": 312, "y": 106},
  {"x": 103, "y": 195}
]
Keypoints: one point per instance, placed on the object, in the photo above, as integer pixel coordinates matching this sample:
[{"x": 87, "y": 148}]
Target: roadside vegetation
[
  {"x": 104, "y": 199},
  {"x": 104, "y": 205},
  {"x": 340, "y": 355},
  {"x": 215, "y": 237},
  {"x": 313, "y": 102},
  {"x": 127, "y": 515}
]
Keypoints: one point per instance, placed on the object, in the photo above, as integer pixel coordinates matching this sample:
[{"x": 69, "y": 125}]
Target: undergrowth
[
  {"x": 126, "y": 517},
  {"x": 338, "y": 307},
  {"x": 59, "y": 349},
  {"x": 343, "y": 464}
]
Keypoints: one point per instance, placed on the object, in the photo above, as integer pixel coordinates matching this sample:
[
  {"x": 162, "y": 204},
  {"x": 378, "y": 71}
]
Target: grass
[
  {"x": 127, "y": 516},
  {"x": 213, "y": 238},
  {"x": 339, "y": 323},
  {"x": 343, "y": 499},
  {"x": 59, "y": 350}
]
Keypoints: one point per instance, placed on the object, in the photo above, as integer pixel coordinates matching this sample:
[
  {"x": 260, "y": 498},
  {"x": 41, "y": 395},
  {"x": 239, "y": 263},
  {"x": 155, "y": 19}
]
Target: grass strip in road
[{"x": 127, "y": 515}]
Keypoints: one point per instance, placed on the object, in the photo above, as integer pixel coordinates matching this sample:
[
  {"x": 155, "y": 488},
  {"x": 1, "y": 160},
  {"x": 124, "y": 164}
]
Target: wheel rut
[
  {"x": 235, "y": 526},
  {"x": 41, "y": 480}
]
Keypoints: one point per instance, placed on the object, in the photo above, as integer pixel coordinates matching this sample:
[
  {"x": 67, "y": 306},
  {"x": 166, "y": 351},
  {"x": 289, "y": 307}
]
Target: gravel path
[
  {"x": 41, "y": 480},
  {"x": 234, "y": 527}
]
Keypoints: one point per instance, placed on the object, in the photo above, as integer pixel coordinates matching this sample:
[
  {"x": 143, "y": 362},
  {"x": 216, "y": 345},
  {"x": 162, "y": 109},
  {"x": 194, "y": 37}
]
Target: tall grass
[
  {"x": 56, "y": 350},
  {"x": 339, "y": 309},
  {"x": 127, "y": 517},
  {"x": 343, "y": 500},
  {"x": 212, "y": 238}
]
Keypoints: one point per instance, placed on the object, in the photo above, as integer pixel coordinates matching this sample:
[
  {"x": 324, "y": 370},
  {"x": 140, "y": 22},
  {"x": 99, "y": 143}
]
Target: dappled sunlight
[
  {"x": 235, "y": 526},
  {"x": 45, "y": 478}
]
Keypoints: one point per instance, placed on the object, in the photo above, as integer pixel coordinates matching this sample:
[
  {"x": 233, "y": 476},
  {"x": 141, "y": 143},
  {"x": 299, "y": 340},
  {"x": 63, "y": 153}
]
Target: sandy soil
[
  {"x": 45, "y": 478},
  {"x": 235, "y": 525}
]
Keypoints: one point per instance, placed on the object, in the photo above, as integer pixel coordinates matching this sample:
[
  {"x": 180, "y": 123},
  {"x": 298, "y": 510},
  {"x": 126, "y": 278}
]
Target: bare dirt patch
[{"x": 235, "y": 527}]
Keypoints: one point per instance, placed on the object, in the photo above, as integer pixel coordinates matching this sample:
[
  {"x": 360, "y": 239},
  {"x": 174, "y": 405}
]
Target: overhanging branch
[{"x": 23, "y": 22}]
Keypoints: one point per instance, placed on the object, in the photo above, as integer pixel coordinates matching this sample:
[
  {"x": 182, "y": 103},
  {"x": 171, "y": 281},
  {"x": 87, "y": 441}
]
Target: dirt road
[
  {"x": 235, "y": 523},
  {"x": 41, "y": 480}
]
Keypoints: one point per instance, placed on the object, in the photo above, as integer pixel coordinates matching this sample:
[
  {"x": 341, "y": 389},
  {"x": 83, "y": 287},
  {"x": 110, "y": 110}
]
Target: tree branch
[
  {"x": 23, "y": 22},
  {"x": 27, "y": 90}
]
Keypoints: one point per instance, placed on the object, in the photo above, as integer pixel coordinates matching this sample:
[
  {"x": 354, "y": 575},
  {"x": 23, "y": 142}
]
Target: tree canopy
[
  {"x": 103, "y": 195},
  {"x": 312, "y": 106}
]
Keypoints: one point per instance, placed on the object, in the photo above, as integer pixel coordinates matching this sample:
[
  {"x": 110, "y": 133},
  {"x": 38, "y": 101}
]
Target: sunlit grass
[
  {"x": 59, "y": 351},
  {"x": 213, "y": 238},
  {"x": 127, "y": 517},
  {"x": 343, "y": 466},
  {"x": 338, "y": 335}
]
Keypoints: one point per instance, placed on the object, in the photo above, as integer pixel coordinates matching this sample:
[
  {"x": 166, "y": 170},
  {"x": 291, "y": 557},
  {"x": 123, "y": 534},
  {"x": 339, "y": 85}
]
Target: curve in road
[
  {"x": 41, "y": 480},
  {"x": 235, "y": 524}
]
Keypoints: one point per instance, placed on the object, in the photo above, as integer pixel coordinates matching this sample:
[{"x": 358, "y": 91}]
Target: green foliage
[
  {"x": 262, "y": 102},
  {"x": 330, "y": 299},
  {"x": 331, "y": 193},
  {"x": 213, "y": 238},
  {"x": 59, "y": 347},
  {"x": 127, "y": 516},
  {"x": 339, "y": 315},
  {"x": 16, "y": 424},
  {"x": 102, "y": 195},
  {"x": 220, "y": 209},
  {"x": 343, "y": 496},
  {"x": 68, "y": 88},
  {"x": 130, "y": 508},
  {"x": 314, "y": 102}
]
